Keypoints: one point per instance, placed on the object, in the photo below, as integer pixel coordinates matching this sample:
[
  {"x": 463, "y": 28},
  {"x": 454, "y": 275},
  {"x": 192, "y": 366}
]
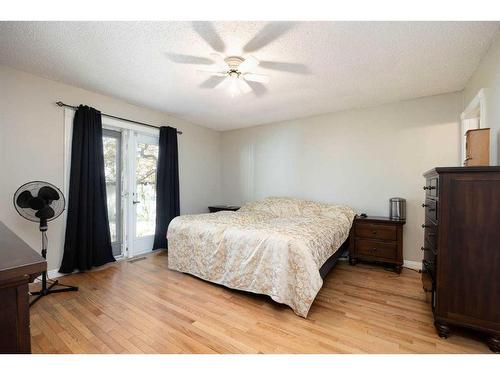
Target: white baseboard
[
  {"x": 55, "y": 273},
  {"x": 52, "y": 274},
  {"x": 412, "y": 265}
]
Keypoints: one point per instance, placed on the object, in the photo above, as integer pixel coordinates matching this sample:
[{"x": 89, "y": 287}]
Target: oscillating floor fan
[{"x": 42, "y": 202}]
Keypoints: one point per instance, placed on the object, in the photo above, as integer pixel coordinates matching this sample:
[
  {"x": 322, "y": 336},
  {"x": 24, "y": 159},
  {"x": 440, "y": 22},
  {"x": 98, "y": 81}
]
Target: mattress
[{"x": 274, "y": 247}]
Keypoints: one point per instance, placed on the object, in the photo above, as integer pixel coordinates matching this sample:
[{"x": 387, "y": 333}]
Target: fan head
[{"x": 39, "y": 201}]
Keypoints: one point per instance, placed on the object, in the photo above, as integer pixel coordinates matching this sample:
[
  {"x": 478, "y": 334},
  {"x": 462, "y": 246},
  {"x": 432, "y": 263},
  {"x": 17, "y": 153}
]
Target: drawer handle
[
  {"x": 429, "y": 187},
  {"x": 374, "y": 232},
  {"x": 425, "y": 205},
  {"x": 425, "y": 226},
  {"x": 424, "y": 248}
]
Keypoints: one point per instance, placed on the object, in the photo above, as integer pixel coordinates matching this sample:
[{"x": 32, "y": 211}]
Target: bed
[{"x": 280, "y": 247}]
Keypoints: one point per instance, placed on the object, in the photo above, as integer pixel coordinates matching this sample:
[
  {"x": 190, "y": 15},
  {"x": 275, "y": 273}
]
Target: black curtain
[
  {"x": 167, "y": 185},
  {"x": 88, "y": 241}
]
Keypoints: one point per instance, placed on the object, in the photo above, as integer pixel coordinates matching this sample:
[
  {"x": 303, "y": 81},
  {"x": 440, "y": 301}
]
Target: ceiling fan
[{"x": 236, "y": 72}]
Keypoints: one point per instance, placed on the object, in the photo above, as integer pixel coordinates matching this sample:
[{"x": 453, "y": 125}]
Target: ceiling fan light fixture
[
  {"x": 236, "y": 71},
  {"x": 234, "y": 88}
]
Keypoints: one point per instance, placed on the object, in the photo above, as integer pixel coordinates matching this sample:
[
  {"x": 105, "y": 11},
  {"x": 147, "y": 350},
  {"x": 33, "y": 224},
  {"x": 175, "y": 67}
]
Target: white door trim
[
  {"x": 473, "y": 117},
  {"x": 478, "y": 102}
]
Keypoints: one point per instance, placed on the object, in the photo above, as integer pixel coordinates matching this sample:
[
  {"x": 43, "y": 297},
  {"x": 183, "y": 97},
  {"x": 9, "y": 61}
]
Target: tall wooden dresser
[{"x": 461, "y": 265}]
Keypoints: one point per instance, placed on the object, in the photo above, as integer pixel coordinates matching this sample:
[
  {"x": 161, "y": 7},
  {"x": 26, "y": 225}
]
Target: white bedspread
[{"x": 273, "y": 247}]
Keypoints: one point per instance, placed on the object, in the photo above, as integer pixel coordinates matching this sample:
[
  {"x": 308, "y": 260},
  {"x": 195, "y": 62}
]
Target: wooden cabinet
[
  {"x": 377, "y": 239},
  {"x": 19, "y": 265},
  {"x": 461, "y": 249},
  {"x": 477, "y": 147}
]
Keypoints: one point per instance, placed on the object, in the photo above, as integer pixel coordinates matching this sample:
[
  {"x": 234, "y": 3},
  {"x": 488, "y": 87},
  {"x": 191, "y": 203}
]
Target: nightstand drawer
[
  {"x": 387, "y": 250},
  {"x": 377, "y": 231}
]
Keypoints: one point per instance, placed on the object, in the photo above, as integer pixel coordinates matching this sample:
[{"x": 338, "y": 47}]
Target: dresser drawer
[
  {"x": 386, "y": 250},
  {"x": 376, "y": 231},
  {"x": 427, "y": 280},
  {"x": 430, "y": 234},
  {"x": 431, "y": 187},
  {"x": 430, "y": 206}
]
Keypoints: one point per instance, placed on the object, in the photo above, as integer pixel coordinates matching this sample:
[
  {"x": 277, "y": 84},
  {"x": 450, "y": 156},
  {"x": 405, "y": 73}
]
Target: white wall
[
  {"x": 487, "y": 76},
  {"x": 32, "y": 148},
  {"x": 360, "y": 157}
]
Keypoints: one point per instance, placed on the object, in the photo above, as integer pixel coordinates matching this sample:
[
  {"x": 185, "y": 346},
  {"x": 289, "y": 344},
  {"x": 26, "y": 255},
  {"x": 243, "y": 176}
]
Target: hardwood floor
[{"x": 143, "y": 307}]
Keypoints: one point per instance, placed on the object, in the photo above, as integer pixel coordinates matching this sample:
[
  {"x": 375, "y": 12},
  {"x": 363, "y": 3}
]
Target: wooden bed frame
[{"x": 332, "y": 261}]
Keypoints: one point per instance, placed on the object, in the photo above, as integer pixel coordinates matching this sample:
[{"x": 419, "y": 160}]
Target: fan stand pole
[{"x": 44, "y": 291}]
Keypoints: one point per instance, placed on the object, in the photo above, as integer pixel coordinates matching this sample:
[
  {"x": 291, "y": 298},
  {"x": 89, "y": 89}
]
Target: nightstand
[
  {"x": 223, "y": 208},
  {"x": 377, "y": 239}
]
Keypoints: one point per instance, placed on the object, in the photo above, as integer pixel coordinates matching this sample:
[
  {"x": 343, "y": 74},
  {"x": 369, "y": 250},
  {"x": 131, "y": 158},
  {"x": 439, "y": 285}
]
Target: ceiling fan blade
[
  {"x": 23, "y": 199},
  {"x": 219, "y": 61},
  {"x": 254, "y": 77},
  {"x": 267, "y": 34},
  {"x": 208, "y": 33},
  {"x": 211, "y": 82},
  {"x": 213, "y": 72},
  {"x": 248, "y": 64},
  {"x": 244, "y": 86},
  {"x": 224, "y": 84},
  {"x": 188, "y": 59},
  {"x": 259, "y": 89},
  {"x": 285, "y": 67}
]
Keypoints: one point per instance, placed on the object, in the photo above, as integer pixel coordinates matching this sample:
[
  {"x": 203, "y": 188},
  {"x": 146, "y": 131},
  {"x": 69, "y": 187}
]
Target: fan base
[{"x": 48, "y": 290}]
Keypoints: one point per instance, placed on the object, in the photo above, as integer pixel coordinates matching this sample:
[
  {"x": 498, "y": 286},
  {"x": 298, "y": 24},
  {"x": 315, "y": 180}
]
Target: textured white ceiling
[{"x": 315, "y": 67}]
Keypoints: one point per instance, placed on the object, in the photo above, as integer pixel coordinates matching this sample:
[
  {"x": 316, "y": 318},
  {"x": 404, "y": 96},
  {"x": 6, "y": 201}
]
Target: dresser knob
[
  {"x": 424, "y": 205},
  {"x": 425, "y": 226},
  {"x": 424, "y": 248},
  {"x": 374, "y": 232}
]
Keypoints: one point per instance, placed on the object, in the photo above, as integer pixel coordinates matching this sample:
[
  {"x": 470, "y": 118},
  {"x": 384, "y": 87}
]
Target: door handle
[{"x": 135, "y": 202}]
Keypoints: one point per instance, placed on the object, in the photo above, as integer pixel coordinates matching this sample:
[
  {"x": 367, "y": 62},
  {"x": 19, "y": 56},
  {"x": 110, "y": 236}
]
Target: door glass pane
[
  {"x": 110, "y": 146},
  {"x": 146, "y": 160}
]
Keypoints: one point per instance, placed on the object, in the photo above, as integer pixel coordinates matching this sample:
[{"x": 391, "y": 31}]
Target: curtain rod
[{"x": 61, "y": 104}]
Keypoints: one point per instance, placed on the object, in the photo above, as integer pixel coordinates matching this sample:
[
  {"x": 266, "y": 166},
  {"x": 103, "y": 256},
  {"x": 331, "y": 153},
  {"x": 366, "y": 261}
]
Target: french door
[
  {"x": 130, "y": 160},
  {"x": 143, "y": 193}
]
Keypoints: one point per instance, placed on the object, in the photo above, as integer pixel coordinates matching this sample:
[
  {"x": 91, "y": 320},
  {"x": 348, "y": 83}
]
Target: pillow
[
  {"x": 277, "y": 206},
  {"x": 285, "y": 206}
]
